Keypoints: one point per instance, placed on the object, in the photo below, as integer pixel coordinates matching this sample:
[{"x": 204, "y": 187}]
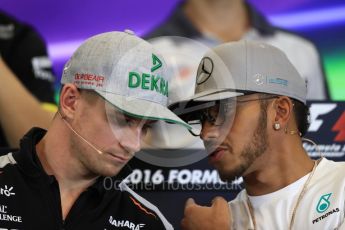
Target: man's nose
[
  {"x": 209, "y": 131},
  {"x": 132, "y": 140}
]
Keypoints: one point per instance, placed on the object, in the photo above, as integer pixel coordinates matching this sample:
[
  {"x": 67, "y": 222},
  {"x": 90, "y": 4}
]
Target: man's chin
[
  {"x": 227, "y": 178},
  {"x": 231, "y": 175},
  {"x": 110, "y": 171}
]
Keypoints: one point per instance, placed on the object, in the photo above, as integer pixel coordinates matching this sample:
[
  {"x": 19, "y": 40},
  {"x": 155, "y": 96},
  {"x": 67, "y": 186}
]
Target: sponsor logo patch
[
  {"x": 5, "y": 216},
  {"x": 83, "y": 79},
  {"x": 7, "y": 191},
  {"x": 125, "y": 224},
  {"x": 323, "y": 203},
  {"x": 149, "y": 81}
]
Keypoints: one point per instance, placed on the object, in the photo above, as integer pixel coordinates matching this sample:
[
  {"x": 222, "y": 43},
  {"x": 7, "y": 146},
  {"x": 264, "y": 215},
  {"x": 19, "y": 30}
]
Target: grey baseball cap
[
  {"x": 243, "y": 67},
  {"x": 126, "y": 71}
]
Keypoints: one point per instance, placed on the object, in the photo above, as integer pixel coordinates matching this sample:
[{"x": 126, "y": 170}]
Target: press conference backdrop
[
  {"x": 170, "y": 187},
  {"x": 65, "y": 24}
]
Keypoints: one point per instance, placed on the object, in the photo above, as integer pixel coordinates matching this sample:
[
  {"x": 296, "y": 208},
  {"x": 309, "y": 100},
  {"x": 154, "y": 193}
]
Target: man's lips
[
  {"x": 217, "y": 154},
  {"x": 119, "y": 158}
]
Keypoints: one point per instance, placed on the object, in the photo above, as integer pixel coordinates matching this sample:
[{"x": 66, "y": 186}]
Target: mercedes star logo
[{"x": 204, "y": 71}]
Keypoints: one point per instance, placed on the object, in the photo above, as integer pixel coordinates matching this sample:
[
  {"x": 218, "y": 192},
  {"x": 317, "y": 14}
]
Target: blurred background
[{"x": 65, "y": 24}]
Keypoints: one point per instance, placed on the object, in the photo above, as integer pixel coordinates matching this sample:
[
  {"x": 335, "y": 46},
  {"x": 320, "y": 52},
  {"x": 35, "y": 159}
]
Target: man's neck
[
  {"x": 277, "y": 170},
  {"x": 58, "y": 160},
  {"x": 225, "y": 19}
]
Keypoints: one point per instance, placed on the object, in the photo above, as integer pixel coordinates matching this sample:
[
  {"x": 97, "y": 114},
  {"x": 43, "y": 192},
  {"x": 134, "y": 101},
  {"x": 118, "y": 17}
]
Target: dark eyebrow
[{"x": 150, "y": 122}]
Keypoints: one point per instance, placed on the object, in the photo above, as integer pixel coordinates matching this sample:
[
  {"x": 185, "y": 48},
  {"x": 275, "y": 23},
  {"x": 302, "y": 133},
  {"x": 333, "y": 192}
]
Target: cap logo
[
  {"x": 156, "y": 63},
  {"x": 149, "y": 81},
  {"x": 204, "y": 71},
  {"x": 90, "y": 80},
  {"x": 259, "y": 79},
  {"x": 278, "y": 81}
]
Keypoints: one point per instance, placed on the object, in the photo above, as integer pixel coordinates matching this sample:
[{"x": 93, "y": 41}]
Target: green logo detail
[
  {"x": 323, "y": 203},
  {"x": 156, "y": 63},
  {"x": 149, "y": 81}
]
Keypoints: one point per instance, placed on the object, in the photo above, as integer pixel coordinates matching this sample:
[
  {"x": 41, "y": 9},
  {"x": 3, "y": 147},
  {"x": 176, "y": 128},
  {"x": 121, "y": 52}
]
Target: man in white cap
[
  {"x": 70, "y": 177},
  {"x": 250, "y": 103}
]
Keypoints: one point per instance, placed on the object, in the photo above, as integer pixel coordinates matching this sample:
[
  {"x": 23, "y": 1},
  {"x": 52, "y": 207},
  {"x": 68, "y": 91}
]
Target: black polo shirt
[
  {"x": 25, "y": 53},
  {"x": 30, "y": 199}
]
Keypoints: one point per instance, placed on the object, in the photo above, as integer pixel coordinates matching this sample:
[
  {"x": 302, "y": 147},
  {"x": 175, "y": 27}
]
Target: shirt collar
[{"x": 26, "y": 156}]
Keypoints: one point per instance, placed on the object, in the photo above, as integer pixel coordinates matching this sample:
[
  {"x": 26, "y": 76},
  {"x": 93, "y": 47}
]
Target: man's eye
[
  {"x": 146, "y": 128},
  {"x": 130, "y": 122},
  {"x": 118, "y": 120}
]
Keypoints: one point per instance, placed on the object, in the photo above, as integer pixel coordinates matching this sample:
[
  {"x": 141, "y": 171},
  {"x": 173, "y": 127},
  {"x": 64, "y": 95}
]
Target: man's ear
[
  {"x": 283, "y": 107},
  {"x": 69, "y": 99}
]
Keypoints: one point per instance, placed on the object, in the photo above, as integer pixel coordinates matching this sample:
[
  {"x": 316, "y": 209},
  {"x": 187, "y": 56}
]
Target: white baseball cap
[
  {"x": 243, "y": 67},
  {"x": 126, "y": 71}
]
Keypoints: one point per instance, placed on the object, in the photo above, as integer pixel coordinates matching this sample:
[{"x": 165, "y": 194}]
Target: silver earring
[{"x": 276, "y": 126}]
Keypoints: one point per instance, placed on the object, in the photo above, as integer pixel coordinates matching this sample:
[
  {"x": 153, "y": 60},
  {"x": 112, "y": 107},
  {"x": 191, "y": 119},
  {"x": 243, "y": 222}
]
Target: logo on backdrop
[
  {"x": 339, "y": 127},
  {"x": 327, "y": 129}
]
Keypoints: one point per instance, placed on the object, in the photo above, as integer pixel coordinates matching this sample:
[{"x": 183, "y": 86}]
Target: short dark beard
[{"x": 254, "y": 149}]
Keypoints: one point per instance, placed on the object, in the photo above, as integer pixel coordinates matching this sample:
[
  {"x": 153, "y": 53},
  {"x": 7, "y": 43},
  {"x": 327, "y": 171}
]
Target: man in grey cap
[
  {"x": 114, "y": 86},
  {"x": 250, "y": 104}
]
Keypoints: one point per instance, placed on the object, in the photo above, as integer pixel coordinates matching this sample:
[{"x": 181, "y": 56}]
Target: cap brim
[
  {"x": 142, "y": 109},
  {"x": 187, "y": 106},
  {"x": 215, "y": 94}
]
